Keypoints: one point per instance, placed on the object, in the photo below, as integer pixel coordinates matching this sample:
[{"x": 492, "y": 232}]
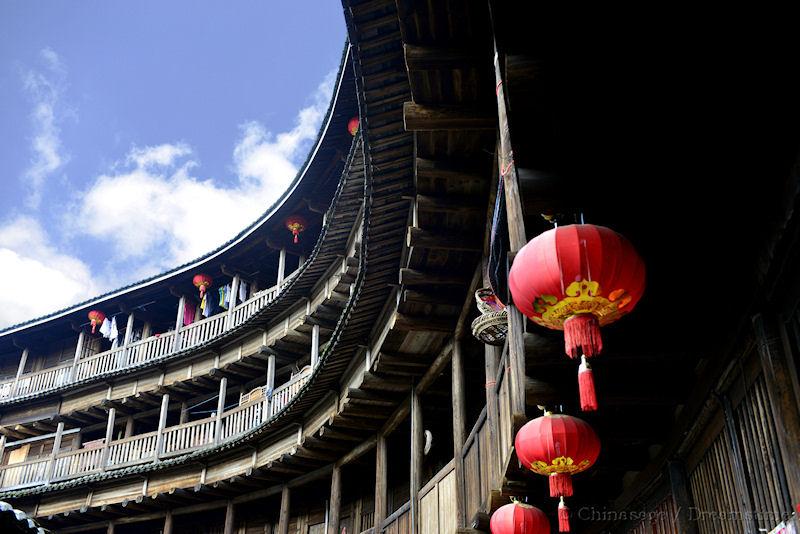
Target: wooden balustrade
[
  {"x": 478, "y": 469},
  {"x": 99, "y": 364},
  {"x": 201, "y": 331},
  {"x": 149, "y": 349},
  {"x": 24, "y": 473},
  {"x": 42, "y": 380},
  {"x": 132, "y": 450},
  {"x": 191, "y": 435},
  {"x": 80, "y": 462},
  {"x": 283, "y": 394},
  {"x": 399, "y": 522},
  {"x": 241, "y": 419},
  {"x": 437, "y": 502}
]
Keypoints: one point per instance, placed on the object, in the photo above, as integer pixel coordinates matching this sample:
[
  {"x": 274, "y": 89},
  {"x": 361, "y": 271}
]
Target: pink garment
[{"x": 188, "y": 313}]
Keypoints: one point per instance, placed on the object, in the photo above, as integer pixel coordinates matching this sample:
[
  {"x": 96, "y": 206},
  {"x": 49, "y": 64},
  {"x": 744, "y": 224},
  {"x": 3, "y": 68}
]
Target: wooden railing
[
  {"x": 399, "y": 522},
  {"x": 24, "y": 473},
  {"x": 437, "y": 502},
  {"x": 283, "y": 394},
  {"x": 132, "y": 450},
  {"x": 479, "y": 473},
  {"x": 188, "y": 436},
  {"x": 144, "y": 447},
  {"x": 78, "y": 462},
  {"x": 140, "y": 351}
]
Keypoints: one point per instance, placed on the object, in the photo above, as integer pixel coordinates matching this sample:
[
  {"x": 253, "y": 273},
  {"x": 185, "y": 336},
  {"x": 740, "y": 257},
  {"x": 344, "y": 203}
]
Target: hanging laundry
[
  {"x": 242, "y": 291},
  {"x": 222, "y": 302},
  {"x": 189, "y": 310},
  {"x": 207, "y": 305},
  {"x": 113, "y": 333},
  {"x": 105, "y": 328},
  {"x": 228, "y": 296}
]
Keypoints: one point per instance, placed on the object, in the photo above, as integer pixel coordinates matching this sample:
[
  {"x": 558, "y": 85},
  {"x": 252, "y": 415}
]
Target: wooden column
[
  {"x": 336, "y": 500},
  {"x": 162, "y": 423},
  {"x": 168, "y": 523},
  {"x": 281, "y": 265},
  {"x": 20, "y": 369},
  {"x": 56, "y": 446},
  {"x": 687, "y": 524},
  {"x": 2, "y": 447},
  {"x": 780, "y": 375},
  {"x": 223, "y": 390},
  {"x": 314, "y": 346},
  {"x": 176, "y": 343},
  {"x": 271, "y": 373},
  {"x": 146, "y": 329},
  {"x": 283, "y": 518},
  {"x": 77, "y": 357},
  {"x": 417, "y": 438},
  {"x": 234, "y": 296},
  {"x": 112, "y": 414},
  {"x": 300, "y": 261},
  {"x": 110, "y": 528},
  {"x": 122, "y": 356},
  {"x": 380, "y": 483},
  {"x": 490, "y": 366},
  {"x": 129, "y": 426},
  {"x": 184, "y": 413},
  {"x": 459, "y": 418},
  {"x": 230, "y": 516}
]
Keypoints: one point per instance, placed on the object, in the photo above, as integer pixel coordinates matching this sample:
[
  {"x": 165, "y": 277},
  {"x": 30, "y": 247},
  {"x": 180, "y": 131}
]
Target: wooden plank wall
[{"x": 660, "y": 520}]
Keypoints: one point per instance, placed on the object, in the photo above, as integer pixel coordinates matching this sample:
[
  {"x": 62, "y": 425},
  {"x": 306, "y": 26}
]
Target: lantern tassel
[
  {"x": 94, "y": 325},
  {"x": 560, "y": 485},
  {"x": 582, "y": 335},
  {"x": 586, "y": 386},
  {"x": 563, "y": 516},
  {"x": 296, "y": 239}
]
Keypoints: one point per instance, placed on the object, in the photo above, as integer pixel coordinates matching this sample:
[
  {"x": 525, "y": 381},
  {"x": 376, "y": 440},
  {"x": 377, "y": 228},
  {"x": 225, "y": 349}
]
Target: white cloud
[
  {"x": 36, "y": 278},
  {"x": 44, "y": 89},
  {"x": 156, "y": 213}
]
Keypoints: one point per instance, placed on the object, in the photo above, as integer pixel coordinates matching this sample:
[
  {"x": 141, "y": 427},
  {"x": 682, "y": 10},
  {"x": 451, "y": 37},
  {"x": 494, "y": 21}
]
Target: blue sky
[{"x": 138, "y": 135}]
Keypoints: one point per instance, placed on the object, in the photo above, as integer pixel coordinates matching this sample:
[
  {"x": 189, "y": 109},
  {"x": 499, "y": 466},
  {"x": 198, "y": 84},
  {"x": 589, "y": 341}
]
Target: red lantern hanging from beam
[
  {"x": 578, "y": 278},
  {"x": 296, "y": 224},
  {"x": 96, "y": 317},
  {"x": 202, "y": 282},
  {"x": 557, "y": 446},
  {"x": 518, "y": 518},
  {"x": 352, "y": 126}
]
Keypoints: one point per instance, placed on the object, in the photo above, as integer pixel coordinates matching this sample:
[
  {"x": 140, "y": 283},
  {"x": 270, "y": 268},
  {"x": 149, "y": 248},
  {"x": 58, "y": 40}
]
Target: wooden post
[
  {"x": 56, "y": 446},
  {"x": 168, "y": 522},
  {"x": 176, "y": 343},
  {"x": 77, "y": 357},
  {"x": 129, "y": 426},
  {"x": 229, "y": 518},
  {"x": 110, "y": 528},
  {"x": 2, "y": 447},
  {"x": 336, "y": 500},
  {"x": 780, "y": 376},
  {"x": 680, "y": 494},
  {"x": 232, "y": 302},
  {"x": 122, "y": 357},
  {"x": 112, "y": 414},
  {"x": 270, "y": 373},
  {"x": 22, "y": 361},
  {"x": 355, "y": 512},
  {"x": 162, "y": 423},
  {"x": 223, "y": 390},
  {"x": 184, "y": 413},
  {"x": 459, "y": 418},
  {"x": 281, "y": 265},
  {"x": 301, "y": 259},
  {"x": 146, "y": 329},
  {"x": 417, "y": 437},
  {"x": 283, "y": 518},
  {"x": 314, "y": 346},
  {"x": 380, "y": 483},
  {"x": 491, "y": 359}
]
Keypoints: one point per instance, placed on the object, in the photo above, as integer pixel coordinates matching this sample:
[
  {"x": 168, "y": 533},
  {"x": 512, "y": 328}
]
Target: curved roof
[{"x": 264, "y": 219}]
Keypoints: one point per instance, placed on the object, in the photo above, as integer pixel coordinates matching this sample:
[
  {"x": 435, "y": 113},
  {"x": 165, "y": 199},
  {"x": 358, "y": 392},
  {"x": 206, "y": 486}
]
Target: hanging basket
[{"x": 491, "y": 328}]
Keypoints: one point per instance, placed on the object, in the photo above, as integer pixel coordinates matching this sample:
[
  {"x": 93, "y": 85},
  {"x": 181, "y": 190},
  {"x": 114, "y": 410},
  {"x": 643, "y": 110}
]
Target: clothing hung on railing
[
  {"x": 189, "y": 311},
  {"x": 242, "y": 291},
  {"x": 207, "y": 305}
]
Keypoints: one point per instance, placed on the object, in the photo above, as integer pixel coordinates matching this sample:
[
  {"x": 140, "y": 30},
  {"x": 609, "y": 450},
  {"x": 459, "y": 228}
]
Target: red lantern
[
  {"x": 352, "y": 126},
  {"x": 578, "y": 278},
  {"x": 518, "y": 518},
  {"x": 296, "y": 224},
  {"x": 557, "y": 446},
  {"x": 202, "y": 282},
  {"x": 96, "y": 317}
]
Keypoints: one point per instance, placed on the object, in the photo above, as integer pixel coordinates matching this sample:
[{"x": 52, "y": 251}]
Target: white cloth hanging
[
  {"x": 105, "y": 328},
  {"x": 242, "y": 291}
]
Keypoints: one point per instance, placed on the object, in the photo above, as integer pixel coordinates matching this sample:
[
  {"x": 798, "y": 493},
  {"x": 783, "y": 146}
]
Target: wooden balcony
[{"x": 154, "y": 446}]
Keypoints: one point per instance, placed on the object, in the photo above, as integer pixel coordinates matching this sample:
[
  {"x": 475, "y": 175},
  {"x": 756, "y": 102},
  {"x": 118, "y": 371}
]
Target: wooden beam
[
  {"x": 381, "y": 493},
  {"x": 452, "y": 204},
  {"x": 459, "y": 425},
  {"x": 230, "y": 516},
  {"x": 283, "y": 518},
  {"x": 417, "y": 237},
  {"x": 335, "y": 501},
  {"x": 679, "y": 483},
  {"x": 356, "y": 453},
  {"x": 448, "y": 170},
  {"x": 415, "y": 475},
  {"x": 422, "y": 323},
  {"x": 435, "y": 58},
  {"x": 418, "y": 117}
]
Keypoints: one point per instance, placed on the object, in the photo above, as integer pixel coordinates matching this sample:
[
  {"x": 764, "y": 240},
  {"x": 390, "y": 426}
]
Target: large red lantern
[
  {"x": 202, "y": 282},
  {"x": 296, "y": 224},
  {"x": 518, "y": 518},
  {"x": 352, "y": 126},
  {"x": 96, "y": 317},
  {"x": 578, "y": 278},
  {"x": 557, "y": 446}
]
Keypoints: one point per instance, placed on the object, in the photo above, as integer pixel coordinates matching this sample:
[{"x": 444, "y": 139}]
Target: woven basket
[
  {"x": 491, "y": 328},
  {"x": 481, "y": 297}
]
